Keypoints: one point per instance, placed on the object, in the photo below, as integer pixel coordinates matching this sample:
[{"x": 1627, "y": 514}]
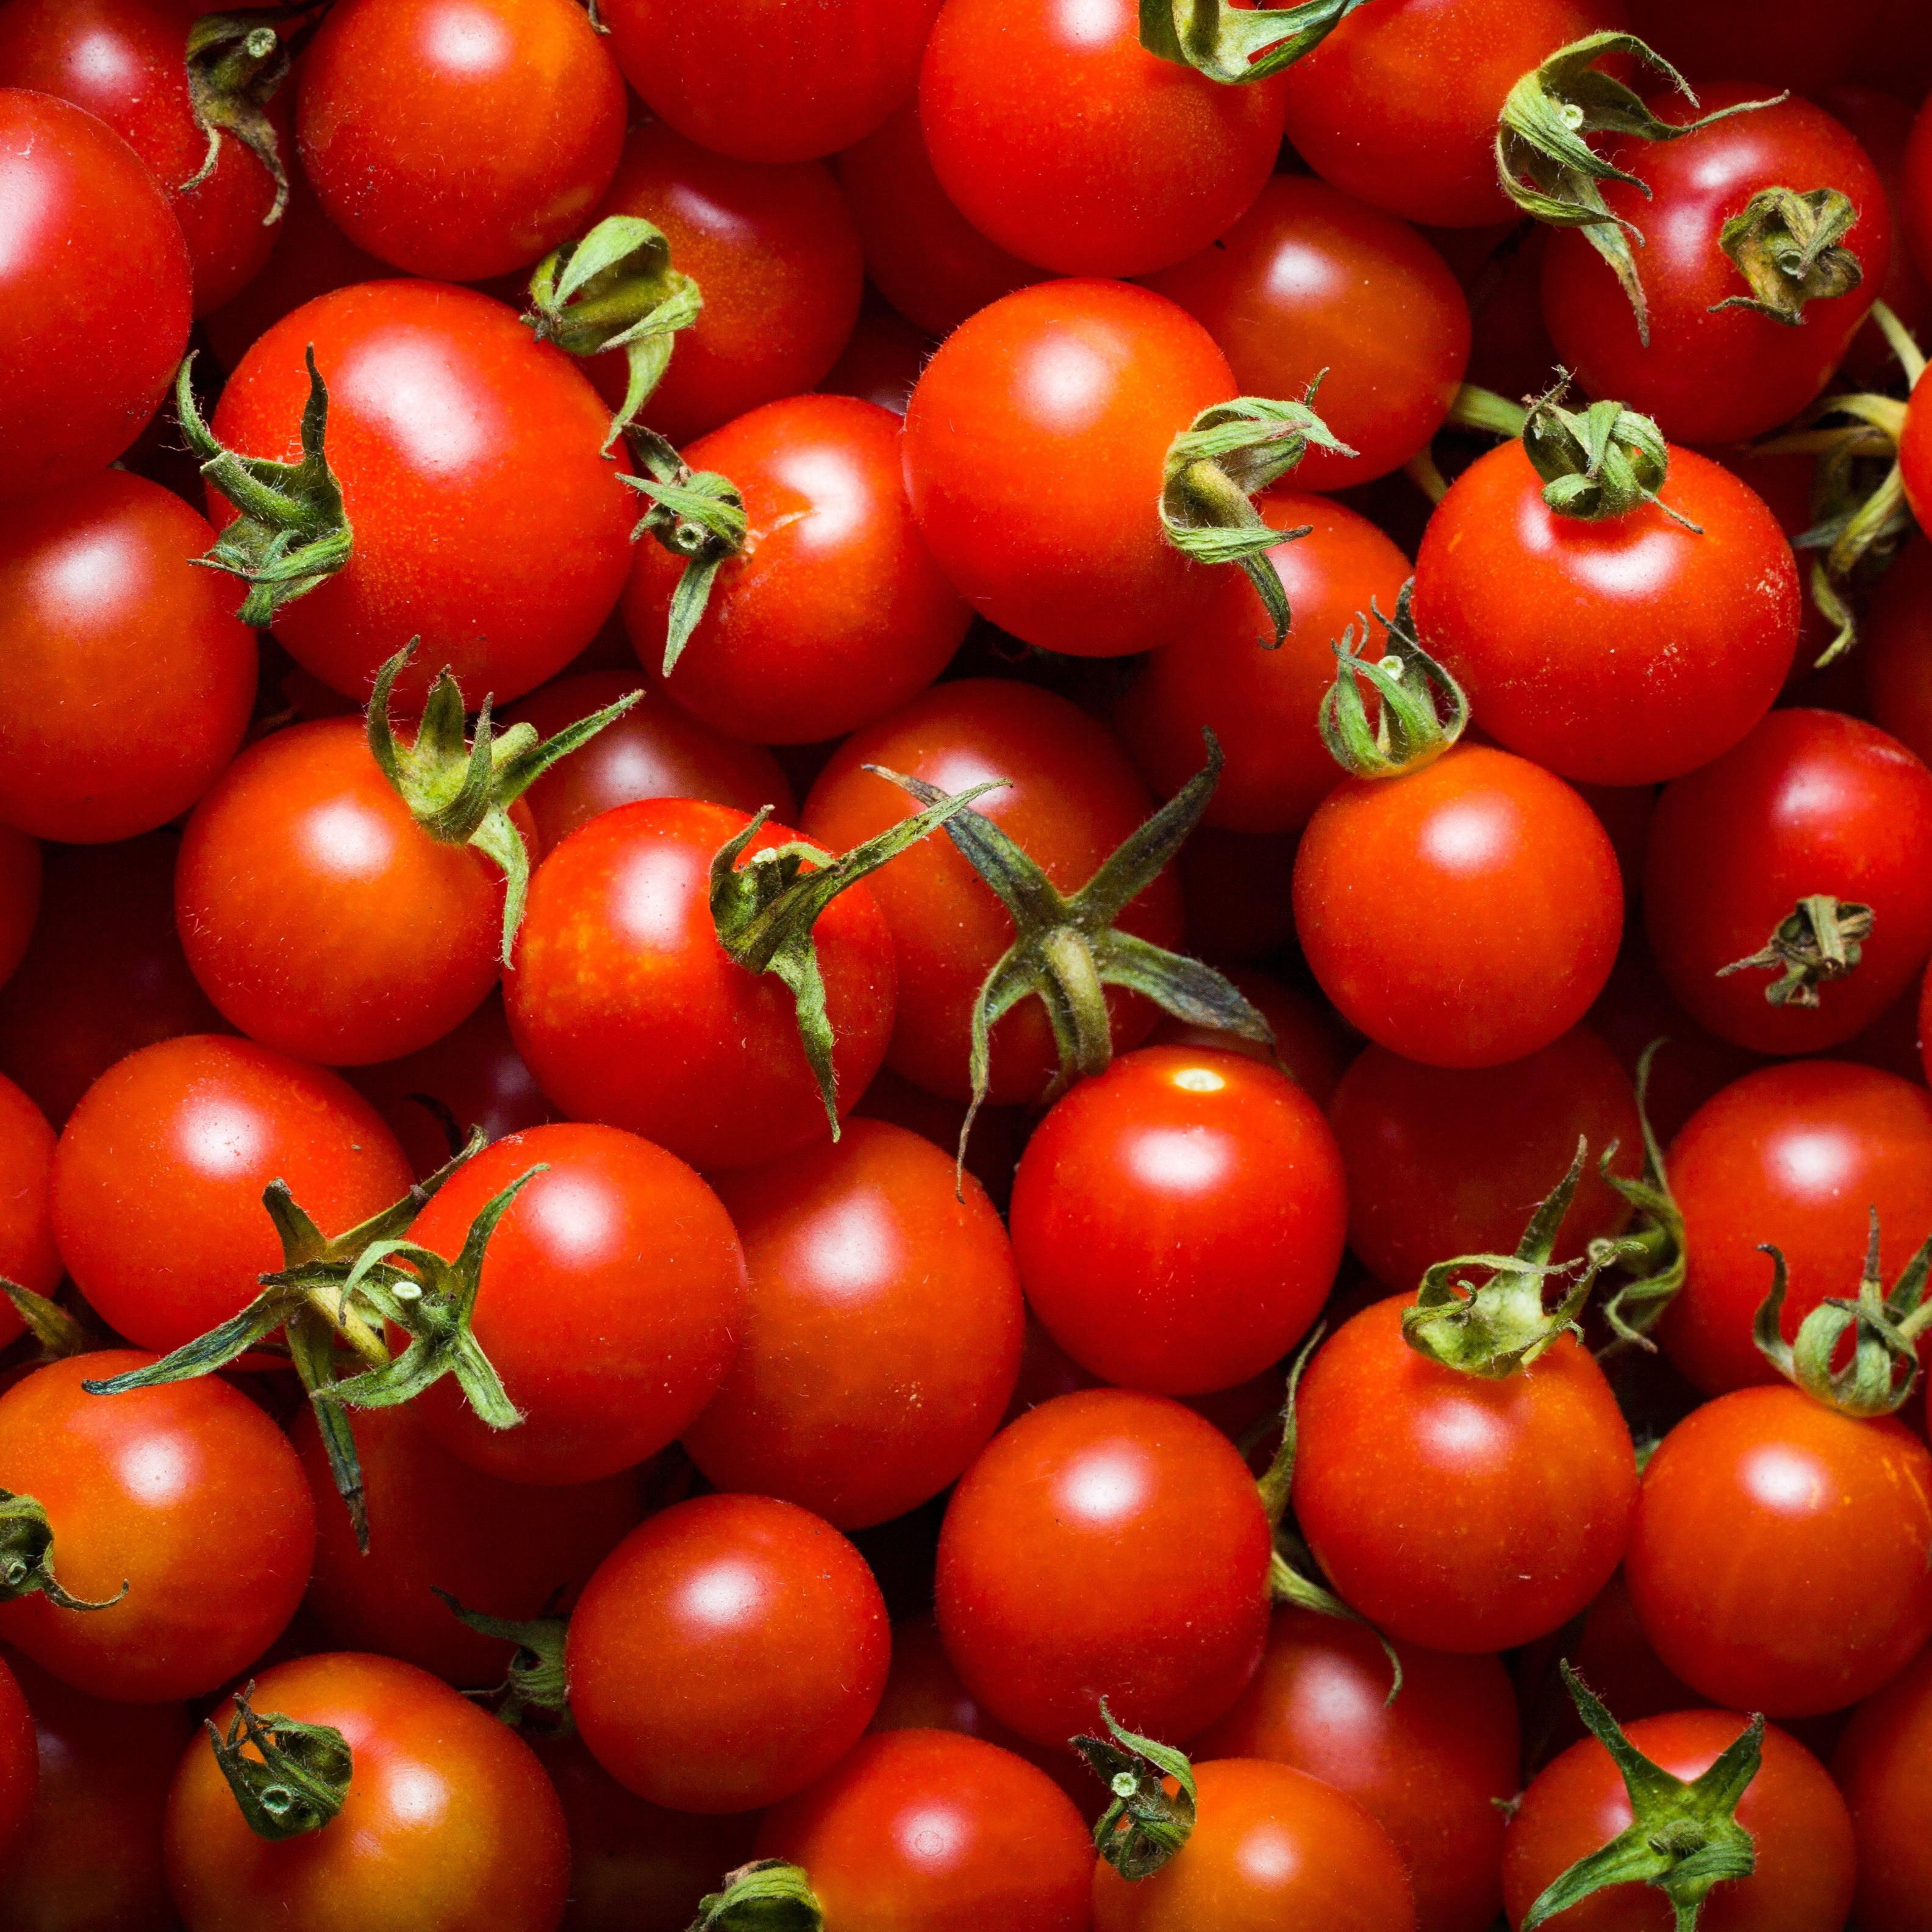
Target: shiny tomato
[
  {"x": 1895, "y": 650},
  {"x": 1881, "y": 1767},
  {"x": 1464, "y": 915},
  {"x": 1088, "y": 1502},
  {"x": 87, "y": 351},
  {"x": 19, "y": 1766},
  {"x": 1309, "y": 1042},
  {"x": 1178, "y": 1220},
  {"x": 1462, "y": 1511},
  {"x": 1034, "y": 447},
  {"x": 1673, "y": 642},
  {"x": 27, "y": 1255},
  {"x": 726, "y": 1653},
  {"x": 187, "y": 1494},
  {"x": 449, "y": 1822},
  {"x": 159, "y": 1172}
]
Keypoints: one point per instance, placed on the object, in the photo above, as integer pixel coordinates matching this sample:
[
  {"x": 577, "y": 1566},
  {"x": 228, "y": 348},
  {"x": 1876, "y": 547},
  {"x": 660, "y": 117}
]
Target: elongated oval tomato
[
  {"x": 28, "y": 1255},
  {"x": 1881, "y": 1766}
]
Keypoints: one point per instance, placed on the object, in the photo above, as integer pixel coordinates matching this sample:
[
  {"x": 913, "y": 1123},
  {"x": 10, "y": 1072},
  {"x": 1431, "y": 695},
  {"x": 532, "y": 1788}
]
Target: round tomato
[
  {"x": 1915, "y": 458},
  {"x": 1881, "y": 1767},
  {"x": 27, "y": 1255},
  {"x": 1309, "y": 1043},
  {"x": 1895, "y": 650}
]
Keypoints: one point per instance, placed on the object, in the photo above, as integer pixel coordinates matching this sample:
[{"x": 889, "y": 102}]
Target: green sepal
[
  {"x": 615, "y": 288},
  {"x": 27, "y": 1557},
  {"x": 293, "y": 534},
  {"x": 1217, "y": 463},
  {"x": 1144, "y": 1826},
  {"x": 535, "y": 1681},
  {"x": 1787, "y": 246},
  {"x": 297, "y": 1777},
  {"x": 1602, "y": 461},
  {"x": 1683, "y": 1838},
  {"x": 236, "y": 64},
  {"x": 1654, "y": 1254},
  {"x": 767, "y": 1895},
  {"x": 1410, "y": 730},
  {"x": 1820, "y": 939},
  {"x": 59, "y": 1333},
  {"x": 696, "y": 515},
  {"x": 1233, "y": 44}
]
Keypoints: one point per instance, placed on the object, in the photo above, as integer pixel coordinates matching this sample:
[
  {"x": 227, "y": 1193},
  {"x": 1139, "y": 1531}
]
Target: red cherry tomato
[
  {"x": 1465, "y": 1512},
  {"x": 186, "y": 1492},
  {"x": 27, "y": 1255},
  {"x": 1713, "y": 375},
  {"x": 1177, "y": 1221},
  {"x": 1881, "y": 1767},
  {"x": 455, "y": 437},
  {"x": 1071, "y": 797},
  {"x": 1915, "y": 459},
  {"x": 1673, "y": 644},
  {"x": 1464, "y": 915},
  {"x": 1263, "y": 704},
  {"x": 1895, "y": 648},
  {"x": 159, "y": 1172},
  {"x": 91, "y": 335},
  {"x": 1311, "y": 1044},
  {"x": 1090, "y": 1502},
  {"x": 1033, "y": 448},
  {"x": 449, "y": 1821},
  {"x": 726, "y": 1653},
  {"x": 1791, "y": 43},
  {"x": 19, "y": 1766},
  {"x": 1795, "y": 1819},
  {"x": 1778, "y": 1559}
]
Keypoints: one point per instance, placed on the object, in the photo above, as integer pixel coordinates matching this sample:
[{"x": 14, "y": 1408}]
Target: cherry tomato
[
  {"x": 1033, "y": 448},
  {"x": 1915, "y": 459},
  {"x": 726, "y": 1653},
  {"x": 774, "y": 253},
  {"x": 1262, "y": 704},
  {"x": 1918, "y": 192},
  {"x": 186, "y": 1492},
  {"x": 454, "y": 435},
  {"x": 1674, "y": 642},
  {"x": 1463, "y": 915},
  {"x": 449, "y": 1821},
  {"x": 629, "y": 1011},
  {"x": 19, "y": 1767},
  {"x": 1778, "y": 1561},
  {"x": 159, "y": 1172},
  {"x": 1086, "y": 1505},
  {"x": 1791, "y": 43},
  {"x": 1714, "y": 374},
  {"x": 833, "y": 612},
  {"x": 1463, "y": 1511},
  {"x": 1895, "y": 650},
  {"x": 1071, "y": 797},
  {"x": 1810, "y": 802},
  {"x": 27, "y": 1255},
  {"x": 92, "y": 333},
  {"x": 1309, "y": 1041},
  {"x": 1881, "y": 1767},
  {"x": 1795, "y": 1819},
  {"x": 1270, "y": 1847}
]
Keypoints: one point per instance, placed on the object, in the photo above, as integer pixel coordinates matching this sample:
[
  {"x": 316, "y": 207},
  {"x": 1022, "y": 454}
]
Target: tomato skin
[
  {"x": 1918, "y": 192},
  {"x": 19, "y": 1767},
  {"x": 1457, "y": 1510},
  {"x": 1262, "y": 704},
  {"x": 449, "y": 1824},
  {"x": 452, "y": 433},
  {"x": 1311, "y": 1044},
  {"x": 158, "y": 1176},
  {"x": 1706, "y": 377},
  {"x": 1177, "y": 1219},
  {"x": 834, "y": 613},
  {"x": 1089, "y": 1502},
  {"x": 1673, "y": 644},
  {"x": 1803, "y": 1881},
  {"x": 1896, "y": 645},
  {"x": 726, "y": 1653},
  {"x": 880, "y": 362},
  {"x": 234, "y": 1499},
  {"x": 629, "y": 1011},
  {"x": 28, "y": 1255},
  {"x": 1915, "y": 459},
  {"x": 1394, "y": 878},
  {"x": 1270, "y": 1847},
  {"x": 1882, "y": 1763},
  {"x": 88, "y": 355},
  {"x": 1034, "y": 446},
  {"x": 1809, "y": 802},
  {"x": 1778, "y": 1559}
]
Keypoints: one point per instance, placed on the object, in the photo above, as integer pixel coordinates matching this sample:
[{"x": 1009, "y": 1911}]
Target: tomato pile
[{"x": 963, "y": 966}]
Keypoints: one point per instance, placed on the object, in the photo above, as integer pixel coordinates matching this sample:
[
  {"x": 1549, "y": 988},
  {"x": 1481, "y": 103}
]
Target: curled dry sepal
[
  {"x": 27, "y": 1557},
  {"x": 236, "y": 64},
  {"x": 1683, "y": 1838},
  {"x": 1145, "y": 1824},
  {"x": 534, "y": 1687},
  {"x": 1233, "y": 44},
  {"x": 1879, "y": 1375},
  {"x": 1545, "y": 161},
  {"x": 59, "y": 1332},
  {"x": 1413, "y": 690},
  {"x": 1819, "y": 940},
  {"x": 1605, "y": 460},
  {"x": 1653, "y": 1254},
  {"x": 1787, "y": 245},
  {"x": 767, "y": 1895},
  {"x": 287, "y": 1777},
  {"x": 696, "y": 515}
]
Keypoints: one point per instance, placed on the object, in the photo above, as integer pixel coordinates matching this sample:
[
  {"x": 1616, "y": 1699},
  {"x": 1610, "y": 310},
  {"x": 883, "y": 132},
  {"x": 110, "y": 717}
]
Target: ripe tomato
[
  {"x": 1881, "y": 1767},
  {"x": 1810, "y": 802},
  {"x": 159, "y": 1172},
  {"x": 1464, "y": 915},
  {"x": 832, "y": 612},
  {"x": 449, "y": 1822},
  {"x": 1778, "y": 1561},
  {"x": 1309, "y": 1041},
  {"x": 454, "y": 435},
  {"x": 1034, "y": 447},
  {"x": 1462, "y": 1511},
  {"x": 1178, "y": 1220},
  {"x": 459, "y": 138},
  {"x": 726, "y": 1653},
  {"x": 27, "y": 1255},
  {"x": 1673, "y": 643},
  {"x": 1795, "y": 1819},
  {"x": 19, "y": 1767},
  {"x": 1071, "y": 797},
  {"x": 1713, "y": 374},
  {"x": 1895, "y": 650},
  {"x": 932, "y": 1829},
  {"x": 88, "y": 353},
  {"x": 1263, "y": 705},
  {"x": 1089, "y": 1502},
  {"x": 1915, "y": 459},
  {"x": 185, "y": 1492}
]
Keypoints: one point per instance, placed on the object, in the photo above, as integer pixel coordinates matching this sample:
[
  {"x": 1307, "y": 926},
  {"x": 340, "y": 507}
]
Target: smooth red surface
[
  {"x": 1883, "y": 1767},
  {"x": 27, "y": 1255},
  {"x": 1895, "y": 644}
]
